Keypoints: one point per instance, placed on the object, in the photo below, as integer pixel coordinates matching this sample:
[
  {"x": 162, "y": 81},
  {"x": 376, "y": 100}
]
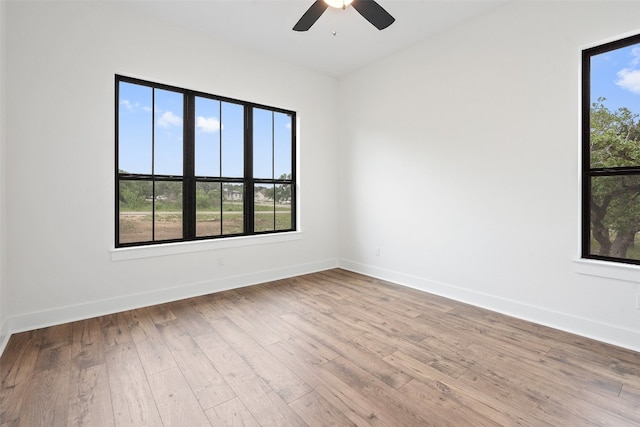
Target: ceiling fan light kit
[
  {"x": 369, "y": 9},
  {"x": 338, "y": 4}
]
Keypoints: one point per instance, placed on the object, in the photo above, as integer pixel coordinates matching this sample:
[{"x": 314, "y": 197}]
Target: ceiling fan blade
[
  {"x": 374, "y": 13},
  {"x": 311, "y": 16}
]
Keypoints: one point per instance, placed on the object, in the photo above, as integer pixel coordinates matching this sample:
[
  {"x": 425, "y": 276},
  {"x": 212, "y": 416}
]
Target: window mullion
[
  {"x": 188, "y": 172},
  {"x": 220, "y": 170},
  {"x": 249, "y": 202},
  {"x": 273, "y": 164},
  {"x": 153, "y": 163}
]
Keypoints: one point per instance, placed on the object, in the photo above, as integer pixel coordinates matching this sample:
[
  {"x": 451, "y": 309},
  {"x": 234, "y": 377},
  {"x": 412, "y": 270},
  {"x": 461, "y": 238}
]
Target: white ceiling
[{"x": 266, "y": 26}]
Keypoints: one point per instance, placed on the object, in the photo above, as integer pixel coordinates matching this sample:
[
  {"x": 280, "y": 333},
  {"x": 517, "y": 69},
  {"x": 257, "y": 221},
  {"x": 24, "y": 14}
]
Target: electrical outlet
[{"x": 220, "y": 261}]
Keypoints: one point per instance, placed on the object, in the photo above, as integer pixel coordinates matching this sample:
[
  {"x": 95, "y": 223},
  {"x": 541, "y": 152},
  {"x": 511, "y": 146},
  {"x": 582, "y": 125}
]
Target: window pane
[
  {"x": 168, "y": 210},
  {"x": 262, "y": 143},
  {"x": 135, "y": 203},
  {"x": 208, "y": 209},
  {"x": 167, "y": 144},
  {"x": 282, "y": 145},
  {"x": 614, "y": 87},
  {"x": 283, "y": 207},
  {"x": 264, "y": 208},
  {"x": 615, "y": 216},
  {"x": 232, "y": 209},
  {"x": 232, "y": 140},
  {"x": 134, "y": 128},
  {"x": 207, "y": 137}
]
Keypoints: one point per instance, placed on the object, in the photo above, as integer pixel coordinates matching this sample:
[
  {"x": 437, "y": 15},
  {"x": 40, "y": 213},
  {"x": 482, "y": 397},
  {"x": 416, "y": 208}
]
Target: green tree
[
  {"x": 283, "y": 191},
  {"x": 615, "y": 202},
  {"x": 133, "y": 195}
]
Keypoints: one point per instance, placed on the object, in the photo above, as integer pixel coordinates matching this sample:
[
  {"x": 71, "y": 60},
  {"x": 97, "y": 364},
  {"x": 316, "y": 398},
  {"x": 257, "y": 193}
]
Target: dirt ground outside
[{"x": 137, "y": 226}]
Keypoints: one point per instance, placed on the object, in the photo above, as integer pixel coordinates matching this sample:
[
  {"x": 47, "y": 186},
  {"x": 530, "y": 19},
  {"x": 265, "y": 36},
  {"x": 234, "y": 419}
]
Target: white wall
[
  {"x": 61, "y": 62},
  {"x": 4, "y": 326},
  {"x": 460, "y": 162}
]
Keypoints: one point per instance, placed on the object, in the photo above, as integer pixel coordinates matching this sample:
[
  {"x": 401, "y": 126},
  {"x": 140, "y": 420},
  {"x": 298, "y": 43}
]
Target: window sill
[
  {"x": 139, "y": 252},
  {"x": 609, "y": 270}
]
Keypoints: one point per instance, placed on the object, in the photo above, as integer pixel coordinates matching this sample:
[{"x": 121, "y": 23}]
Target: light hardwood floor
[{"x": 332, "y": 348}]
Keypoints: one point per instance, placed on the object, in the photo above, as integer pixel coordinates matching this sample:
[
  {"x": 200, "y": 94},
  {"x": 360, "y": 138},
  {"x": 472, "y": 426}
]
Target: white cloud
[
  {"x": 207, "y": 124},
  {"x": 629, "y": 79},
  {"x": 126, "y": 104},
  {"x": 133, "y": 106},
  {"x": 169, "y": 119},
  {"x": 635, "y": 53}
]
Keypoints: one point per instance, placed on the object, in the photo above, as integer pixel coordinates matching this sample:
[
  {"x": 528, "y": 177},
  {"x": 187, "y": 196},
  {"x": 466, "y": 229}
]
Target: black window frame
[
  {"x": 587, "y": 171},
  {"x": 188, "y": 177}
]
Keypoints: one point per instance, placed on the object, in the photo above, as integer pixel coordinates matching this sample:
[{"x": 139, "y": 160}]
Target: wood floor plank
[
  {"x": 48, "y": 403},
  {"x": 115, "y": 329},
  {"x": 54, "y": 358},
  {"x": 254, "y": 322},
  {"x": 276, "y": 301},
  {"x": 600, "y": 363},
  {"x": 231, "y": 413},
  {"x": 554, "y": 401},
  {"x": 408, "y": 302},
  {"x": 631, "y": 394},
  {"x": 49, "y": 390},
  {"x": 17, "y": 366},
  {"x": 284, "y": 382},
  {"x": 214, "y": 305},
  {"x": 379, "y": 320},
  {"x": 327, "y": 348},
  {"x": 154, "y": 354},
  {"x": 87, "y": 348},
  {"x": 305, "y": 341},
  {"x": 353, "y": 406},
  {"x": 453, "y": 406},
  {"x": 187, "y": 314},
  {"x": 254, "y": 392},
  {"x": 90, "y": 398},
  {"x": 498, "y": 410},
  {"x": 468, "y": 330},
  {"x": 133, "y": 403},
  {"x": 316, "y": 411},
  {"x": 499, "y": 325},
  {"x": 396, "y": 409},
  {"x": 176, "y": 402},
  {"x": 207, "y": 383},
  {"x": 335, "y": 334},
  {"x": 161, "y": 313},
  {"x": 57, "y": 336}
]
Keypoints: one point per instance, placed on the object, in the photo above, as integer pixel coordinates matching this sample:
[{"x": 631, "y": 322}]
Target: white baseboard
[
  {"x": 56, "y": 316},
  {"x": 4, "y": 335},
  {"x": 585, "y": 327},
  {"x": 588, "y": 328}
]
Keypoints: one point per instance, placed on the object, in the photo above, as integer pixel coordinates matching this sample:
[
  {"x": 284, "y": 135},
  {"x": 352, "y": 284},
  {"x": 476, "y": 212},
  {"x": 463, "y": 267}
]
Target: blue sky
[
  {"x": 615, "y": 75},
  {"x": 219, "y": 130}
]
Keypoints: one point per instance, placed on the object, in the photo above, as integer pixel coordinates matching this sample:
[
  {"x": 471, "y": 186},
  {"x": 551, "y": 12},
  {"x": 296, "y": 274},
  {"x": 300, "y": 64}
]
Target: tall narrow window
[
  {"x": 193, "y": 166},
  {"x": 272, "y": 170},
  {"x": 611, "y": 151}
]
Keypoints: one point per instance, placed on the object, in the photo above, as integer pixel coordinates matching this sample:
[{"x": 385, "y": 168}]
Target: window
[
  {"x": 611, "y": 151},
  {"x": 193, "y": 166}
]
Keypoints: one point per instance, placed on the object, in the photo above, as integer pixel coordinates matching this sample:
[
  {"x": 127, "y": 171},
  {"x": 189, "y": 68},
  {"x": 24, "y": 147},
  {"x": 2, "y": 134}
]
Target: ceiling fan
[{"x": 369, "y": 9}]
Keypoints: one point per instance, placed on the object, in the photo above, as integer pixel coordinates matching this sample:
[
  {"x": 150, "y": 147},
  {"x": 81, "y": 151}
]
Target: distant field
[{"x": 137, "y": 226}]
